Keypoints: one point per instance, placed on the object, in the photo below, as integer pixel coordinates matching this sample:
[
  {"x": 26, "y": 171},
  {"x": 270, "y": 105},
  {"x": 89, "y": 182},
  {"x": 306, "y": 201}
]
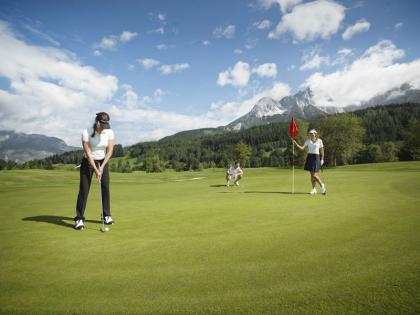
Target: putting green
[{"x": 183, "y": 243}]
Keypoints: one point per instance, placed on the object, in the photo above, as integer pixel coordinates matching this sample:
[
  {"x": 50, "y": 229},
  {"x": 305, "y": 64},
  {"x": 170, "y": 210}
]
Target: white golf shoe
[
  {"x": 323, "y": 189},
  {"x": 79, "y": 225},
  {"x": 108, "y": 220},
  {"x": 227, "y": 184},
  {"x": 313, "y": 191},
  {"x": 236, "y": 184}
]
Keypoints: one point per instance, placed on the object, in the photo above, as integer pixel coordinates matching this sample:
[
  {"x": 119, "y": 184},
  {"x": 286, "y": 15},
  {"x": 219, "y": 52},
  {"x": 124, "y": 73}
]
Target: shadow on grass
[
  {"x": 54, "y": 219},
  {"x": 218, "y": 185},
  {"x": 275, "y": 192}
]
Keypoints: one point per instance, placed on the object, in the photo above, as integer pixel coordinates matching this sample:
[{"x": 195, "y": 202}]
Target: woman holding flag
[{"x": 314, "y": 159}]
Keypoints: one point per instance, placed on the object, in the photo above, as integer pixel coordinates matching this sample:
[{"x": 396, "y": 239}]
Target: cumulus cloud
[
  {"x": 373, "y": 73},
  {"x": 50, "y": 91},
  {"x": 312, "y": 20},
  {"x": 148, "y": 63},
  {"x": 157, "y": 124},
  {"x": 262, "y": 25},
  {"x": 127, "y": 36},
  {"x": 360, "y": 26},
  {"x": 268, "y": 70},
  {"x": 285, "y": 5},
  {"x": 313, "y": 60},
  {"x": 228, "y": 32},
  {"x": 237, "y": 76},
  {"x": 174, "y": 68},
  {"x": 111, "y": 42}
]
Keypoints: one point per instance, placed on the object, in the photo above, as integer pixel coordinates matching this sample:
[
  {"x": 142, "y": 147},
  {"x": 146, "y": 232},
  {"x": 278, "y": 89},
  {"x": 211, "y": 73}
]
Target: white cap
[{"x": 313, "y": 131}]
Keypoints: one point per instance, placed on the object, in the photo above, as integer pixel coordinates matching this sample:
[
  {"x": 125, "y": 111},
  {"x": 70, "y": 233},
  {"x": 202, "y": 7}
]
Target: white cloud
[
  {"x": 285, "y": 5},
  {"x": 309, "y": 21},
  {"x": 342, "y": 56},
  {"x": 108, "y": 42},
  {"x": 127, "y": 36},
  {"x": 226, "y": 112},
  {"x": 111, "y": 42},
  {"x": 360, "y": 26},
  {"x": 169, "y": 69},
  {"x": 238, "y": 76},
  {"x": 262, "y": 25},
  {"x": 205, "y": 42},
  {"x": 159, "y": 30},
  {"x": 161, "y": 17},
  {"x": 228, "y": 32},
  {"x": 313, "y": 60},
  {"x": 148, "y": 63},
  {"x": 50, "y": 91},
  {"x": 164, "y": 46},
  {"x": 398, "y": 26},
  {"x": 238, "y": 51},
  {"x": 41, "y": 34},
  {"x": 158, "y": 124},
  {"x": 375, "y": 72},
  {"x": 97, "y": 53},
  {"x": 268, "y": 70}
]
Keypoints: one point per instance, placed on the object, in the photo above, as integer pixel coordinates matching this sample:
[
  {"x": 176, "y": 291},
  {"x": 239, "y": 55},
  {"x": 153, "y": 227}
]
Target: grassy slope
[{"x": 192, "y": 246}]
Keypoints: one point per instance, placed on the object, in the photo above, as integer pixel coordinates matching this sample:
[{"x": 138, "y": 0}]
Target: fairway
[{"x": 185, "y": 244}]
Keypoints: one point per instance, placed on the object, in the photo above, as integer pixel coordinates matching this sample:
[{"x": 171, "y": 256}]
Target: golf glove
[{"x": 322, "y": 162}]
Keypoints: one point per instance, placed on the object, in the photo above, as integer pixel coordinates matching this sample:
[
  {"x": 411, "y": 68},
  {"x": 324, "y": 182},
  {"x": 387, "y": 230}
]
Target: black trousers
[{"x": 86, "y": 173}]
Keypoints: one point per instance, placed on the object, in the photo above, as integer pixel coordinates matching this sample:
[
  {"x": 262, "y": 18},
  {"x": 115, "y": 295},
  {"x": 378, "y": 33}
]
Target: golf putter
[{"x": 103, "y": 229}]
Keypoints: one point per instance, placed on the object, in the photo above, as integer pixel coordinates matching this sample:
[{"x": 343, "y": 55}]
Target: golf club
[{"x": 103, "y": 229}]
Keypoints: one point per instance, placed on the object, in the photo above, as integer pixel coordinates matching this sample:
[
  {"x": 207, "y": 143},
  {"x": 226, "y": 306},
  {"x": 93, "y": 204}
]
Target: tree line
[{"x": 377, "y": 134}]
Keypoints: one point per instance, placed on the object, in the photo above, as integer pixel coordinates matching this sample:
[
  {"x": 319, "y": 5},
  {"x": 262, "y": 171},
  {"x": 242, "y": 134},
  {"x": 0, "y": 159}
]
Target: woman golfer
[
  {"x": 314, "y": 160},
  {"x": 97, "y": 145}
]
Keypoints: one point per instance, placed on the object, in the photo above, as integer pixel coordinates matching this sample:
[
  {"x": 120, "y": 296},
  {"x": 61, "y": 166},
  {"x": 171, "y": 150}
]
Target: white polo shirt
[
  {"x": 98, "y": 143},
  {"x": 233, "y": 170},
  {"x": 314, "y": 146}
]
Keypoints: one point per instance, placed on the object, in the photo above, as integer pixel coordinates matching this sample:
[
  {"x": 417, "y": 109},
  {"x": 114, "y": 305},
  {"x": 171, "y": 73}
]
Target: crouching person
[{"x": 234, "y": 172}]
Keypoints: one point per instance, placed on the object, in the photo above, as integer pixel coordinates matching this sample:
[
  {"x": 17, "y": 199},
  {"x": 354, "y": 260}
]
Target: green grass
[{"x": 191, "y": 246}]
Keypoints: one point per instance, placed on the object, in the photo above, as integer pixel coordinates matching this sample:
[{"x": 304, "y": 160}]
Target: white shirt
[
  {"x": 98, "y": 143},
  {"x": 234, "y": 170},
  {"x": 314, "y": 146}
]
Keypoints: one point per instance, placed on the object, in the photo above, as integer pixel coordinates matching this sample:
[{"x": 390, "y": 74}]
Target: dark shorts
[{"x": 313, "y": 163}]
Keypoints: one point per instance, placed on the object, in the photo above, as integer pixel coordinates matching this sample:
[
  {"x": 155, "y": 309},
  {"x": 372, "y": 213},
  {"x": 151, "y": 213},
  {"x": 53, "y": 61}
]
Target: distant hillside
[{"x": 20, "y": 147}]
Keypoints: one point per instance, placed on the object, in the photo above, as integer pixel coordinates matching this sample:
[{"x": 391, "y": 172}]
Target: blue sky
[{"x": 159, "y": 67}]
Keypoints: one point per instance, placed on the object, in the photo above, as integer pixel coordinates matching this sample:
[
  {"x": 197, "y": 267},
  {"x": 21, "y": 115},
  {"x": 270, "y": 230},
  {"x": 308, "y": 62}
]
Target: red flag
[{"x": 293, "y": 130}]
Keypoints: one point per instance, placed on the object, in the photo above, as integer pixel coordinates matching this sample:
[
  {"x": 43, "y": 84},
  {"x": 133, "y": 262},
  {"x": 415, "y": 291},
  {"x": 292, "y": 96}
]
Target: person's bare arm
[
  {"x": 88, "y": 152},
  {"x": 297, "y": 144},
  {"x": 108, "y": 155}
]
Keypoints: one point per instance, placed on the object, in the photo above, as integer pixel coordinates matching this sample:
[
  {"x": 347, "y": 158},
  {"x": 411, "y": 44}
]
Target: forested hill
[
  {"x": 269, "y": 145},
  {"x": 383, "y": 133}
]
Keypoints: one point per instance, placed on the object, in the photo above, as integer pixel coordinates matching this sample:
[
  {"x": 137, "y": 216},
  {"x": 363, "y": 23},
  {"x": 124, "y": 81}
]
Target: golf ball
[{"x": 106, "y": 229}]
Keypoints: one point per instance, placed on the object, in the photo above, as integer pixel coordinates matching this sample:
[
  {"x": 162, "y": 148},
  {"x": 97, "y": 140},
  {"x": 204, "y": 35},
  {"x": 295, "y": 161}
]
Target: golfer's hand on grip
[{"x": 98, "y": 173}]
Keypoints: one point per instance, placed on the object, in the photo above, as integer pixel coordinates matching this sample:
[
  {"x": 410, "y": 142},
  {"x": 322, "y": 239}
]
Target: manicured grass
[{"x": 191, "y": 246}]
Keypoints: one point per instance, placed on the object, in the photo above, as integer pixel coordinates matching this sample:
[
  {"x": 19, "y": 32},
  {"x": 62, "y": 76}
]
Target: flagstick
[{"x": 293, "y": 167}]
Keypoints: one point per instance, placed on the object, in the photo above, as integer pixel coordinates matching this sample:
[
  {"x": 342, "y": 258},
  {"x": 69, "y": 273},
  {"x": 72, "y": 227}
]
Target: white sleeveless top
[{"x": 98, "y": 143}]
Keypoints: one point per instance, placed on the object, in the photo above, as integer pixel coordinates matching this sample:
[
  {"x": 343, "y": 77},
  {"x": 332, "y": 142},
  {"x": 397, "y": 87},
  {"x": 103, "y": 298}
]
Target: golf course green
[{"x": 183, "y": 243}]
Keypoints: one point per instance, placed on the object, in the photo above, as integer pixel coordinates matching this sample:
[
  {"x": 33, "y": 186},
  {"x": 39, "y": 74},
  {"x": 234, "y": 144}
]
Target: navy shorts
[{"x": 313, "y": 163}]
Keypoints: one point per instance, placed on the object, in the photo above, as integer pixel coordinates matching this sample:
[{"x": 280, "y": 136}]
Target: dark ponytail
[{"x": 100, "y": 117}]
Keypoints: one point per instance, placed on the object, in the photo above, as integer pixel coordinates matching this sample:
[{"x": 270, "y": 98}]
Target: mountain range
[
  {"x": 302, "y": 106},
  {"x": 21, "y": 147}
]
